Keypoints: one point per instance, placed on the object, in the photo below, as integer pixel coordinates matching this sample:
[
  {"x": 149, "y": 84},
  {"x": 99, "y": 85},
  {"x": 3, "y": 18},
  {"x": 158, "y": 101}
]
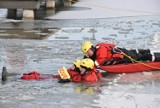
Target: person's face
[
  {"x": 90, "y": 53},
  {"x": 82, "y": 70},
  {"x": 73, "y": 67}
]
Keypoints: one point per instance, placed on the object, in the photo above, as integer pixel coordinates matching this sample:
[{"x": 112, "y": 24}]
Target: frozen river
[
  {"x": 47, "y": 45},
  {"x": 46, "y": 50}
]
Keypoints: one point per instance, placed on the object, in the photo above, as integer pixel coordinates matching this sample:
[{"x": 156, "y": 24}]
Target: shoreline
[{"x": 6, "y": 24}]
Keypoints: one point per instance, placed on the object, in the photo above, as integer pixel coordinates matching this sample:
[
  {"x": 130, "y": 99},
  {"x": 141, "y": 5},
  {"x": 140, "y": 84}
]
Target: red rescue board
[{"x": 132, "y": 67}]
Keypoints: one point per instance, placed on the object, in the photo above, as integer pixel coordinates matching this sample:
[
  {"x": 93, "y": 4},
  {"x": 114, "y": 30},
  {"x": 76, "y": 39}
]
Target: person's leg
[
  {"x": 127, "y": 55},
  {"x": 155, "y": 56},
  {"x": 142, "y": 55},
  {"x": 133, "y": 54},
  {"x": 151, "y": 56},
  {"x": 145, "y": 54}
]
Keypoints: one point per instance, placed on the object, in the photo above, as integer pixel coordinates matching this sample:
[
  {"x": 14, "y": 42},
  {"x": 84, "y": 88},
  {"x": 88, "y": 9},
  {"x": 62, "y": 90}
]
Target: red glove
[
  {"x": 117, "y": 56},
  {"x": 31, "y": 76}
]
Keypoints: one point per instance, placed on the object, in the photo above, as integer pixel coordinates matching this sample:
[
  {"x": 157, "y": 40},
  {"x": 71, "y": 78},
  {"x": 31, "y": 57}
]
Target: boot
[
  {"x": 4, "y": 74},
  {"x": 157, "y": 57}
]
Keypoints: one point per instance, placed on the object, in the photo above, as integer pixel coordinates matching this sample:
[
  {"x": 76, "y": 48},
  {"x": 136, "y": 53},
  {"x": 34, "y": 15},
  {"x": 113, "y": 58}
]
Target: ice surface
[{"x": 62, "y": 46}]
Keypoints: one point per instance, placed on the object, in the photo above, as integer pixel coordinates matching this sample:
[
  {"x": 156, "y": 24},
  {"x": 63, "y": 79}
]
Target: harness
[{"x": 113, "y": 50}]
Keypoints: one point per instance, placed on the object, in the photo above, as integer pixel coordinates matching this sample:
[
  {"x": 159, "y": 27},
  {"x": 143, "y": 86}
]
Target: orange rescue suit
[
  {"x": 104, "y": 53},
  {"x": 92, "y": 76},
  {"x": 75, "y": 76}
]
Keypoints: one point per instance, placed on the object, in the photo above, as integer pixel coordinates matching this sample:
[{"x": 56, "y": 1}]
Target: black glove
[
  {"x": 85, "y": 56},
  {"x": 111, "y": 62},
  {"x": 64, "y": 81}
]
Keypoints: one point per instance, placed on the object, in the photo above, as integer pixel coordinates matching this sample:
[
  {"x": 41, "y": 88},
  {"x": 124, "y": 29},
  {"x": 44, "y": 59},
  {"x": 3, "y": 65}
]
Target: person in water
[
  {"x": 74, "y": 73},
  {"x": 104, "y": 54},
  {"x": 88, "y": 73}
]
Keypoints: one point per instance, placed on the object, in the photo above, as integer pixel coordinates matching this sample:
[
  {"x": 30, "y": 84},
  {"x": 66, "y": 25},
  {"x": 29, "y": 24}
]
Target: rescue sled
[{"x": 132, "y": 67}]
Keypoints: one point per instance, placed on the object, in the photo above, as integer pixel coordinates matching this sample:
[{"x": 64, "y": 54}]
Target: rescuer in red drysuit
[
  {"x": 88, "y": 71},
  {"x": 108, "y": 54}
]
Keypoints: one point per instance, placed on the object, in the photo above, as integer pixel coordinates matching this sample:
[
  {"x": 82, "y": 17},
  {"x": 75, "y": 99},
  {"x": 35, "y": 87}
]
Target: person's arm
[
  {"x": 76, "y": 78},
  {"x": 101, "y": 56},
  {"x": 64, "y": 80},
  {"x": 56, "y": 76},
  {"x": 99, "y": 62}
]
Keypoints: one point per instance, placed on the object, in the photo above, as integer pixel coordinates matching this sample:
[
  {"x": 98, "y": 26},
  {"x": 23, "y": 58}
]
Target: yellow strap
[{"x": 64, "y": 73}]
